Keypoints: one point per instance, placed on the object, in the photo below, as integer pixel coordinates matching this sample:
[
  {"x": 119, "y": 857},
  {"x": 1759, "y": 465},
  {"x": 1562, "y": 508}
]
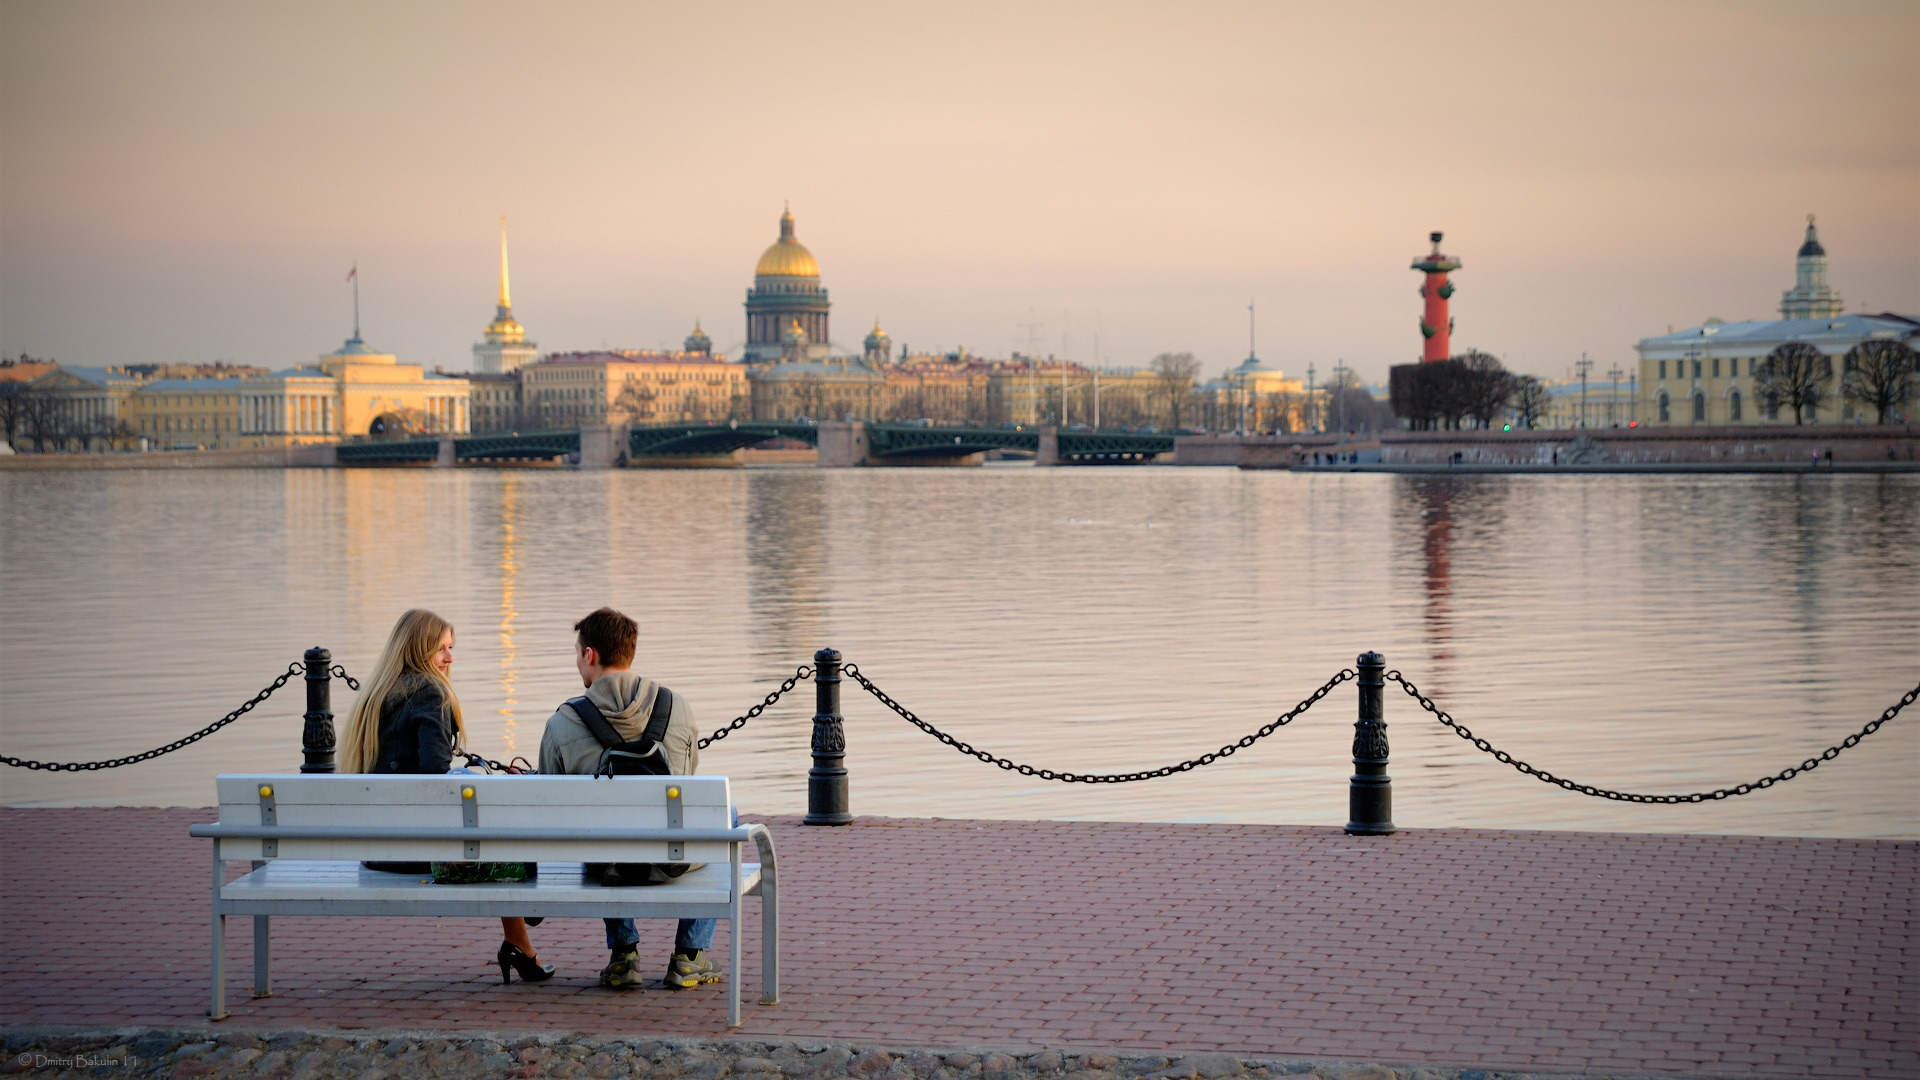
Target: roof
[
  {"x": 629, "y": 356},
  {"x": 1763, "y": 335},
  {"x": 226, "y": 385}
]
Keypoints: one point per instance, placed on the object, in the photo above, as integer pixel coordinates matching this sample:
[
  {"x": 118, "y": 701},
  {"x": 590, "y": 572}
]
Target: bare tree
[
  {"x": 1176, "y": 372},
  {"x": 1880, "y": 374},
  {"x": 635, "y": 401},
  {"x": 1483, "y": 386},
  {"x": 13, "y": 394},
  {"x": 1792, "y": 375},
  {"x": 1529, "y": 399}
]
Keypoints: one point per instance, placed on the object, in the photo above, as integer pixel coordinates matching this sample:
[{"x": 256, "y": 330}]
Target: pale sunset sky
[{"x": 190, "y": 182}]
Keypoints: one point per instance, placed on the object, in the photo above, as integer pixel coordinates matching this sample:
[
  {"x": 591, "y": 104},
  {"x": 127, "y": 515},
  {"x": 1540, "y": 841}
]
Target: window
[
  {"x": 1696, "y": 369},
  {"x": 1733, "y": 406},
  {"x": 1716, "y": 367},
  {"x": 1666, "y": 410},
  {"x": 1663, "y": 369},
  {"x": 1699, "y": 405}
]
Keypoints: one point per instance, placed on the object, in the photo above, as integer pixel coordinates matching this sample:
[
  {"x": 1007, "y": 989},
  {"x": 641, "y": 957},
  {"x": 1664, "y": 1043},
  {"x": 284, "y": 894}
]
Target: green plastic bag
[{"x": 481, "y": 873}]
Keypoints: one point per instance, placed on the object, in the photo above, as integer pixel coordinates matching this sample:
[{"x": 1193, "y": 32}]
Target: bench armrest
[{"x": 762, "y": 839}]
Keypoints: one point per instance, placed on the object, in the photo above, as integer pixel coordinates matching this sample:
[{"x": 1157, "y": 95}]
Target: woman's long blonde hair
[{"x": 409, "y": 651}]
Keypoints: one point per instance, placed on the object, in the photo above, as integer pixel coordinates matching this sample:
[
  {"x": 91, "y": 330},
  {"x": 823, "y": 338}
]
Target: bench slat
[{"x": 558, "y": 890}]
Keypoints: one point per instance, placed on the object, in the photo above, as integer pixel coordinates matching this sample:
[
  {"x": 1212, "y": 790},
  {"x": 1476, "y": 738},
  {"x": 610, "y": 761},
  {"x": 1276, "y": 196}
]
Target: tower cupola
[{"x": 1811, "y": 297}]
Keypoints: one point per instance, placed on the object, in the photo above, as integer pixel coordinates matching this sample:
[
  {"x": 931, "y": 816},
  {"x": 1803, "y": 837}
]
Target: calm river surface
[{"x": 1654, "y": 634}]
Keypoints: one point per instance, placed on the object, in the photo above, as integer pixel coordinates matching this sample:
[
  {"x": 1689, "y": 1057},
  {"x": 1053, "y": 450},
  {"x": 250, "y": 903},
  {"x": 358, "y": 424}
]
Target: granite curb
[{"x": 307, "y": 1054}]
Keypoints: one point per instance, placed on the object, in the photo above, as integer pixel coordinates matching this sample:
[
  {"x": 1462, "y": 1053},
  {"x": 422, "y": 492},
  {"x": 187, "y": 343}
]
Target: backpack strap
[
  {"x": 656, "y": 733},
  {"x": 590, "y": 715},
  {"x": 596, "y": 721}
]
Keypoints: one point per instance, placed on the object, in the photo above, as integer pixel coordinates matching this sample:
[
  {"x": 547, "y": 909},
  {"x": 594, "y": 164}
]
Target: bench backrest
[{"x": 564, "y": 803}]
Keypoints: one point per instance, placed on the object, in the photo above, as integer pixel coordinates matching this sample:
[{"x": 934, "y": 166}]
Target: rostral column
[{"x": 1436, "y": 326}]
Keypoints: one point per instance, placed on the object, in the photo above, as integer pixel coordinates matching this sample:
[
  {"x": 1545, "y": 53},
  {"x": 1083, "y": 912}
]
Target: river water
[{"x": 1647, "y": 633}]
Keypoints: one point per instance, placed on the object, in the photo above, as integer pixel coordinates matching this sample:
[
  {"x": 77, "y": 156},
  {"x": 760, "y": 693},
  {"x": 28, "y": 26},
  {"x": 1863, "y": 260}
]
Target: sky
[{"x": 190, "y": 182}]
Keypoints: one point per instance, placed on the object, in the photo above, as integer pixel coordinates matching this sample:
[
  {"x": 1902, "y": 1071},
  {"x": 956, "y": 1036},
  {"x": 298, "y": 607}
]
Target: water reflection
[
  {"x": 509, "y": 678},
  {"x": 787, "y": 562},
  {"x": 1090, "y": 619}
]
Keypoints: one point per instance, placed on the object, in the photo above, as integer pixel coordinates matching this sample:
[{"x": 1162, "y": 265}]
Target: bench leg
[
  {"x": 218, "y": 1009},
  {"x": 769, "y": 942},
  {"x": 733, "y": 945},
  {"x": 262, "y": 957}
]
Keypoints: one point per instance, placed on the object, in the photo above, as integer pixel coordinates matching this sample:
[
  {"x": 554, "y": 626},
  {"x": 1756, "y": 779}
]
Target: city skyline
[{"x": 191, "y": 186}]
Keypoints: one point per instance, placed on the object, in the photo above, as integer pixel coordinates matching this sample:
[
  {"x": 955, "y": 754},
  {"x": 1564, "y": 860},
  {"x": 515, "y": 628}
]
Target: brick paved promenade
[{"x": 1577, "y": 952}]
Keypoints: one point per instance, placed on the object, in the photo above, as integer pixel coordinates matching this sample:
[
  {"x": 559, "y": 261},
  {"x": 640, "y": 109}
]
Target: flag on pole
[{"x": 353, "y": 273}]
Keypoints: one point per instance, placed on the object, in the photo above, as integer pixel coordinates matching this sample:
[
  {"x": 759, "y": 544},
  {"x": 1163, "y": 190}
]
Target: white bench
[{"x": 307, "y": 834}]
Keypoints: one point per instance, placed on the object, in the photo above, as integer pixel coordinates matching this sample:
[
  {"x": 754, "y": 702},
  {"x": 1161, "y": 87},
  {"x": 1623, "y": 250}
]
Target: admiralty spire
[{"x": 505, "y": 347}]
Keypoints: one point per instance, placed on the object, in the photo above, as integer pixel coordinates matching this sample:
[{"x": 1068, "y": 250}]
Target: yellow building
[
  {"x": 351, "y": 392},
  {"x": 631, "y": 386},
  {"x": 189, "y": 413}
]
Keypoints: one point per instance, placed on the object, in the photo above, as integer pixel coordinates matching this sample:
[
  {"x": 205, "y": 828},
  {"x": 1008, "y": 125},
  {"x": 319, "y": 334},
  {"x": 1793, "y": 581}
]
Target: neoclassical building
[
  {"x": 1704, "y": 375},
  {"x": 786, "y": 292}
]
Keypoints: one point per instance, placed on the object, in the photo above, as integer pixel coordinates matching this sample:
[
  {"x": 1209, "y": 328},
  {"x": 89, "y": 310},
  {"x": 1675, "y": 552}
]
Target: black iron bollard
[
  {"x": 1370, "y": 795},
  {"x": 827, "y": 780},
  {"x": 316, "y": 738}
]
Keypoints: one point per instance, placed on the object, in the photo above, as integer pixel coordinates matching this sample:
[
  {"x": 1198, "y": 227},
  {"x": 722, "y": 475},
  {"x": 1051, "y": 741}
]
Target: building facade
[
  {"x": 494, "y": 402},
  {"x": 786, "y": 292},
  {"x": 631, "y": 386},
  {"x": 504, "y": 346},
  {"x": 1704, "y": 375}
]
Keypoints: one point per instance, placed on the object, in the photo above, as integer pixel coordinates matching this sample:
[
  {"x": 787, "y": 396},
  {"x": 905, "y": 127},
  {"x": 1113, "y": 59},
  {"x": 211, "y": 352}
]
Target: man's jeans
[{"x": 693, "y": 935}]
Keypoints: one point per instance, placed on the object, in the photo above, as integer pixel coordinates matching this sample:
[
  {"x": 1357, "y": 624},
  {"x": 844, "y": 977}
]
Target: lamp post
[{"x": 1583, "y": 365}]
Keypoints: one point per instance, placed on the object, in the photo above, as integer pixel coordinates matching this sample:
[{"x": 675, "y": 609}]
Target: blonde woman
[{"x": 407, "y": 720}]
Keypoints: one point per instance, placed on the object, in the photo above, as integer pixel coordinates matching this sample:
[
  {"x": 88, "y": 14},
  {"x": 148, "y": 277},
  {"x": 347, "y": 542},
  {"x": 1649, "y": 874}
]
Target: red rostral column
[{"x": 1436, "y": 325}]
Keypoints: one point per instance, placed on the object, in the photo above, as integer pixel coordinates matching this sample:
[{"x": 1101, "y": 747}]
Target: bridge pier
[
  {"x": 603, "y": 446},
  {"x": 843, "y": 444},
  {"x": 1049, "y": 451},
  {"x": 443, "y": 453}
]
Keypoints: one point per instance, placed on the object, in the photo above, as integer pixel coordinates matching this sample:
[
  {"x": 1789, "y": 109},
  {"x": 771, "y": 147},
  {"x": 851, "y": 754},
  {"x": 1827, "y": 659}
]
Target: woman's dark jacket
[
  {"x": 416, "y": 728},
  {"x": 416, "y": 736}
]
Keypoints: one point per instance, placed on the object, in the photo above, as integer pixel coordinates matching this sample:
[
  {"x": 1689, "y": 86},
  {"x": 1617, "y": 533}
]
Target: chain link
[
  {"x": 853, "y": 672},
  {"x": 1761, "y": 784},
  {"x": 293, "y": 669},
  {"x": 800, "y": 675}
]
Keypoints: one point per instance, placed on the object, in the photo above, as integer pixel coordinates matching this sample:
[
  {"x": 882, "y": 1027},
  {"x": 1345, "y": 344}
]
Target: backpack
[{"x": 644, "y": 756}]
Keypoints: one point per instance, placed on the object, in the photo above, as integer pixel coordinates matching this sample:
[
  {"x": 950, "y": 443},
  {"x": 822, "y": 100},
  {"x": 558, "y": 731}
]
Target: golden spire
[{"x": 506, "y": 300}]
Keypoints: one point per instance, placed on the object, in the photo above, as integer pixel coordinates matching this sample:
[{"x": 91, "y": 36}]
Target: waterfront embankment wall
[
  {"x": 1707, "y": 446},
  {"x": 275, "y": 457}
]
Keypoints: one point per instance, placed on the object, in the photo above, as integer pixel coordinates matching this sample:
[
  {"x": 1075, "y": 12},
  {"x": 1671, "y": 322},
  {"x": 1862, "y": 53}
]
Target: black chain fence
[
  {"x": 804, "y": 672},
  {"x": 853, "y": 672},
  {"x": 293, "y": 669},
  {"x": 1761, "y": 784}
]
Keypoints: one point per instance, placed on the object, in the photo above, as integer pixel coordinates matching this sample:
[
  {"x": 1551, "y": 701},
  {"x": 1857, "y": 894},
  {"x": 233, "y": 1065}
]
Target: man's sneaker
[
  {"x": 689, "y": 970},
  {"x": 622, "y": 971}
]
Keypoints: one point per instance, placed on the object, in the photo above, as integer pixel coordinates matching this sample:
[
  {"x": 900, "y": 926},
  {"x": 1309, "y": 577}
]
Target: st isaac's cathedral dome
[{"x": 787, "y": 257}]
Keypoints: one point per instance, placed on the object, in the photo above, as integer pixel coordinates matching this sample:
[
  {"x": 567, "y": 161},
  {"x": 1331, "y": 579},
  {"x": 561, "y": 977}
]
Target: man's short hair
[{"x": 610, "y": 634}]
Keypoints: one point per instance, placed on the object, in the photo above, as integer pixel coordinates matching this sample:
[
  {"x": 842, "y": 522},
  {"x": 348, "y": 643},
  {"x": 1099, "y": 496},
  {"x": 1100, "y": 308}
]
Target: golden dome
[{"x": 787, "y": 257}]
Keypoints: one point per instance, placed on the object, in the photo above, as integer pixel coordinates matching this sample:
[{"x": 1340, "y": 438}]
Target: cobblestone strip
[{"x": 190, "y": 1054}]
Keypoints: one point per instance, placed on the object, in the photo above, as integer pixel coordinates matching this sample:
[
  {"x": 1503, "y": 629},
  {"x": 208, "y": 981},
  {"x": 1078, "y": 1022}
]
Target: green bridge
[{"x": 720, "y": 437}]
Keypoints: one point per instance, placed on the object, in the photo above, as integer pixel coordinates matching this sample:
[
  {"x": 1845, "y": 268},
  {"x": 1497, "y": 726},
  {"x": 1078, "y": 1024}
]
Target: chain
[
  {"x": 800, "y": 675},
  {"x": 1761, "y": 784},
  {"x": 293, "y": 669},
  {"x": 339, "y": 672},
  {"x": 853, "y": 672}
]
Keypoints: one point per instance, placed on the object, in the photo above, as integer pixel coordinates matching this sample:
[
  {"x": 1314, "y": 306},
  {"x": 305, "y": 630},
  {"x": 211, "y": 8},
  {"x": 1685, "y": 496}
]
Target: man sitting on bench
[{"x": 642, "y": 727}]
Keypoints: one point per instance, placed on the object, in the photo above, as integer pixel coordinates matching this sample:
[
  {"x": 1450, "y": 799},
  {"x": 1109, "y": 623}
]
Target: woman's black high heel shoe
[{"x": 512, "y": 959}]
